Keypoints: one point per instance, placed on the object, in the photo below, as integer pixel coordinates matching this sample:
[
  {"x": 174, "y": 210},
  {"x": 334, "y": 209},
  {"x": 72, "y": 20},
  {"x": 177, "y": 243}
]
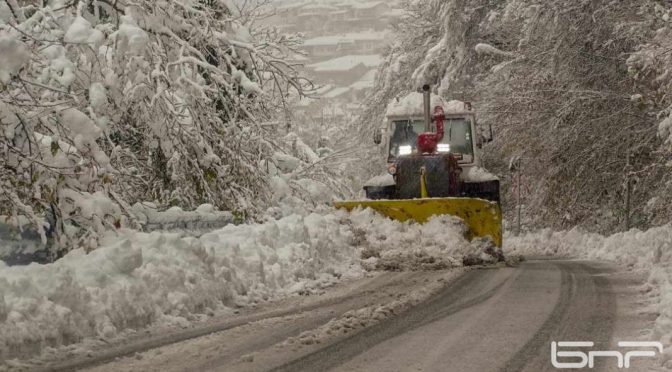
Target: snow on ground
[
  {"x": 134, "y": 280},
  {"x": 477, "y": 174},
  {"x": 380, "y": 181},
  {"x": 194, "y": 222},
  {"x": 650, "y": 251}
]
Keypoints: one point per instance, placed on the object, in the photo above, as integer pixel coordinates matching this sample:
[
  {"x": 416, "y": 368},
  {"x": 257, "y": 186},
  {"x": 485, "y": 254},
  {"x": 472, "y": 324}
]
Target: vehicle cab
[{"x": 405, "y": 121}]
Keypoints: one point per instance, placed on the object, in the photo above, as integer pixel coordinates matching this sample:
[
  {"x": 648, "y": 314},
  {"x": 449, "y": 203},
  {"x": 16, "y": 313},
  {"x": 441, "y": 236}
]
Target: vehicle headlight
[{"x": 405, "y": 150}]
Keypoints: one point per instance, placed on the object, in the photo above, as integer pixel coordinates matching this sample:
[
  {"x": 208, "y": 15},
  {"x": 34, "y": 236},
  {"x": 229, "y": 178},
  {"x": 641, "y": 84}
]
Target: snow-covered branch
[{"x": 143, "y": 100}]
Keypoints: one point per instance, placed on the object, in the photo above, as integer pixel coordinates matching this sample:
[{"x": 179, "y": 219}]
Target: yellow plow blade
[{"x": 482, "y": 217}]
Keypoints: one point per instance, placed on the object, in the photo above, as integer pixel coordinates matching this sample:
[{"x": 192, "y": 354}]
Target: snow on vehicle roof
[
  {"x": 347, "y": 63},
  {"x": 412, "y": 105}
]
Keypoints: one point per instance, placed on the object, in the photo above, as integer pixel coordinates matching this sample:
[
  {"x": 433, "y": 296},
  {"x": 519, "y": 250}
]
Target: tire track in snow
[
  {"x": 144, "y": 344},
  {"x": 586, "y": 311},
  {"x": 472, "y": 288}
]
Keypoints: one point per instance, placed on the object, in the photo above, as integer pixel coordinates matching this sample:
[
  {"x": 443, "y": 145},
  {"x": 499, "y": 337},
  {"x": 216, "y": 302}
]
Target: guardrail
[{"x": 24, "y": 246}]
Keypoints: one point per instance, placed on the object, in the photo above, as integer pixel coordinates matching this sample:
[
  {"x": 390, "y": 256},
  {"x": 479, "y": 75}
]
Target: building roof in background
[{"x": 347, "y": 63}]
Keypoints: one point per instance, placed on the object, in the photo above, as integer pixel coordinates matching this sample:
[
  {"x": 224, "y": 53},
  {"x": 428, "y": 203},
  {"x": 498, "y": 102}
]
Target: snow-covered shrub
[{"x": 106, "y": 104}]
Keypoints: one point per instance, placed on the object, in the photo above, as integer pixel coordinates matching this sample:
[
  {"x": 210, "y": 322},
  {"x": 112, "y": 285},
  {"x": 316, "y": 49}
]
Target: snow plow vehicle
[{"x": 434, "y": 167}]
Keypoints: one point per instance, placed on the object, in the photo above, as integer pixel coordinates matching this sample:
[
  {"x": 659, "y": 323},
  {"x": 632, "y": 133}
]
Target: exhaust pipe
[{"x": 427, "y": 102}]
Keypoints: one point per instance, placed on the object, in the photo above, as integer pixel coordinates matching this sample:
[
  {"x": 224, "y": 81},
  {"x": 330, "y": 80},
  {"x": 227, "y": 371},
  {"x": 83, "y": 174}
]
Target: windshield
[{"x": 457, "y": 137}]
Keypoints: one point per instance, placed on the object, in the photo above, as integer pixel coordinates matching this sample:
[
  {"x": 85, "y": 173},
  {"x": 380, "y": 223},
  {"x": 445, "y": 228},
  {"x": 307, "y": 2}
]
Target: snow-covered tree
[
  {"x": 651, "y": 68},
  {"x": 104, "y": 104}
]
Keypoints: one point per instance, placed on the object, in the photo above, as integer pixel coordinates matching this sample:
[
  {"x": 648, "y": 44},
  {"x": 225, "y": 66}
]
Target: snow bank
[
  {"x": 477, "y": 174},
  {"x": 380, "y": 181},
  {"x": 650, "y": 251},
  {"x": 438, "y": 244},
  {"x": 135, "y": 279},
  {"x": 205, "y": 217}
]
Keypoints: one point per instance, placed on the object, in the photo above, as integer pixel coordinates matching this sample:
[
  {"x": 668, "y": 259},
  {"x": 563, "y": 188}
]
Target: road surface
[{"x": 488, "y": 319}]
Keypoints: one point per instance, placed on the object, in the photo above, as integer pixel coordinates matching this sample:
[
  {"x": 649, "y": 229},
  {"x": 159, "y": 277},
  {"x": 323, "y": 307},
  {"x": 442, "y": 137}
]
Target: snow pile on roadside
[
  {"x": 477, "y": 174},
  {"x": 380, "y": 181},
  {"x": 392, "y": 246},
  {"x": 206, "y": 216},
  {"x": 136, "y": 279},
  {"x": 650, "y": 251}
]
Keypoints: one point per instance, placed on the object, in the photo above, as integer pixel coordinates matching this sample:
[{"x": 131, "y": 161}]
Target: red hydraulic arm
[{"x": 428, "y": 142}]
